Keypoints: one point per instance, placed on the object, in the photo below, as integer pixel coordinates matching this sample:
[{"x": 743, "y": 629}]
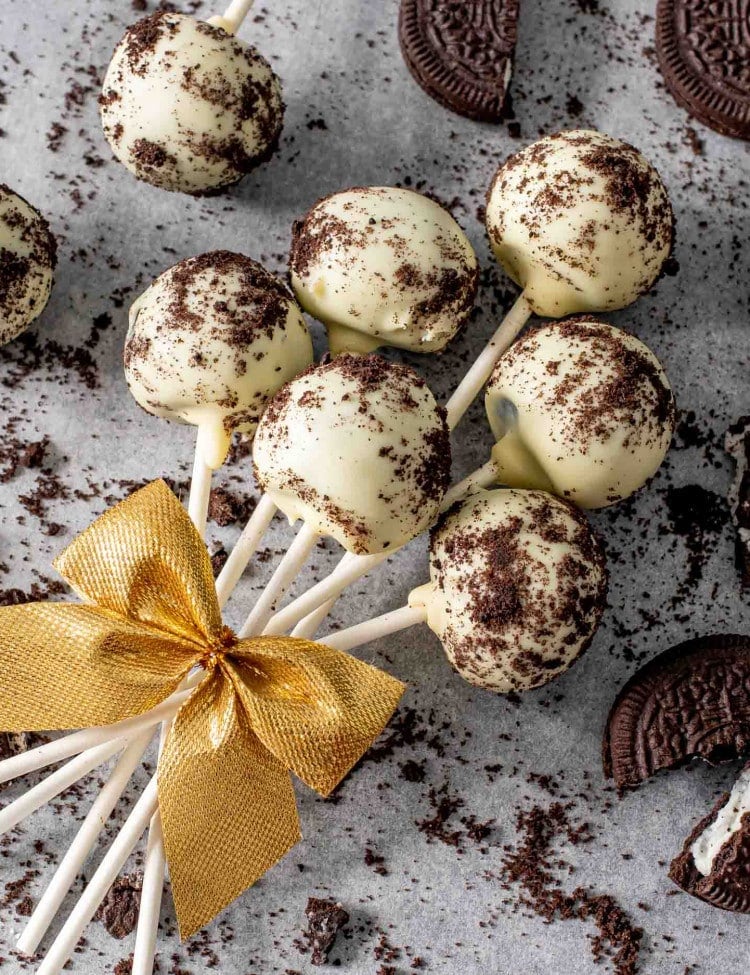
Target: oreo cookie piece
[
  {"x": 704, "y": 54},
  {"x": 692, "y": 701},
  {"x": 737, "y": 445},
  {"x": 714, "y": 864},
  {"x": 461, "y": 52}
]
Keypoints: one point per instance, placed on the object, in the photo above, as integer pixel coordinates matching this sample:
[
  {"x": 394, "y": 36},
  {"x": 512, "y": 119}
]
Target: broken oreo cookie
[
  {"x": 692, "y": 701},
  {"x": 714, "y": 864},
  {"x": 461, "y": 53},
  {"x": 703, "y": 54}
]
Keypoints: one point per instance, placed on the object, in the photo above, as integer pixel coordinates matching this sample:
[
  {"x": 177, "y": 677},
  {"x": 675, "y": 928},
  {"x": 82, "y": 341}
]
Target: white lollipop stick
[
  {"x": 286, "y": 572},
  {"x": 57, "y": 782},
  {"x": 232, "y": 18},
  {"x": 482, "y": 477},
  {"x": 243, "y": 551},
  {"x": 57, "y": 751},
  {"x": 375, "y": 629},
  {"x": 476, "y": 378},
  {"x": 349, "y": 570},
  {"x": 124, "y": 843},
  {"x": 200, "y": 484},
  {"x": 72, "y": 863},
  {"x": 151, "y": 897}
]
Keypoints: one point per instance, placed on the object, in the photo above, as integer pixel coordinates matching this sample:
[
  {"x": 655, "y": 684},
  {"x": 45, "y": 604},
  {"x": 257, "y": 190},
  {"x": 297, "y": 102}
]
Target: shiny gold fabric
[{"x": 266, "y": 705}]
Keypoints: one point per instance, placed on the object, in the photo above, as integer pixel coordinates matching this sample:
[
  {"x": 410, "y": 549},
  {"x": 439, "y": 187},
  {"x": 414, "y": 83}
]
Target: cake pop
[
  {"x": 186, "y": 106},
  {"x": 210, "y": 341},
  {"x": 517, "y": 590},
  {"x": 380, "y": 265},
  {"x": 581, "y": 221},
  {"x": 356, "y": 448},
  {"x": 28, "y": 256},
  {"x": 582, "y": 409}
]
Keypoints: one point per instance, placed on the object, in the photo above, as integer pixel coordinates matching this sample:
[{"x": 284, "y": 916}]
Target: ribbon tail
[{"x": 227, "y": 804}]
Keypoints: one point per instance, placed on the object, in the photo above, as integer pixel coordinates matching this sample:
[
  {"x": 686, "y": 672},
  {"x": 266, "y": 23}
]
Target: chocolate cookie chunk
[
  {"x": 692, "y": 701},
  {"x": 325, "y": 919},
  {"x": 737, "y": 445},
  {"x": 461, "y": 52},
  {"x": 714, "y": 864},
  {"x": 118, "y": 911},
  {"x": 704, "y": 54}
]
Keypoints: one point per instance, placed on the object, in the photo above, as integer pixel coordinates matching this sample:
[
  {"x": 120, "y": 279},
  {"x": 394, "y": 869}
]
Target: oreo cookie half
[
  {"x": 704, "y": 54},
  {"x": 461, "y": 52},
  {"x": 714, "y": 864},
  {"x": 692, "y": 701}
]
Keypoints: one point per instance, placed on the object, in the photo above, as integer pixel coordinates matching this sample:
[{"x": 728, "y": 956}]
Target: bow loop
[
  {"x": 144, "y": 561},
  {"x": 321, "y": 710}
]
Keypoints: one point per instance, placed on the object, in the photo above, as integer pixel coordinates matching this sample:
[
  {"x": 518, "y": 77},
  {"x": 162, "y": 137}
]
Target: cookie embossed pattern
[{"x": 704, "y": 52}]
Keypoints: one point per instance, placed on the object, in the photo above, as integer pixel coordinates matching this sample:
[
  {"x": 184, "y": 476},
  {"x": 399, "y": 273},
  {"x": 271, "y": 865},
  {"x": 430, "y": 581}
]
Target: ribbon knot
[{"x": 266, "y": 706}]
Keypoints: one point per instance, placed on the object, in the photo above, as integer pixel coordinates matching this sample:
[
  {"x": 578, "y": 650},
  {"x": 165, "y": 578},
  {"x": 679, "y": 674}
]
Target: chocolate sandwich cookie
[
  {"x": 704, "y": 54},
  {"x": 461, "y": 53},
  {"x": 692, "y": 701},
  {"x": 714, "y": 864},
  {"x": 737, "y": 444}
]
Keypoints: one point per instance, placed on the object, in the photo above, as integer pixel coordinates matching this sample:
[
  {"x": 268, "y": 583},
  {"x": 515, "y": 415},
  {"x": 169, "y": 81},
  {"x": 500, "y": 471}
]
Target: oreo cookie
[
  {"x": 692, "y": 701},
  {"x": 737, "y": 445},
  {"x": 461, "y": 52},
  {"x": 704, "y": 54},
  {"x": 714, "y": 864}
]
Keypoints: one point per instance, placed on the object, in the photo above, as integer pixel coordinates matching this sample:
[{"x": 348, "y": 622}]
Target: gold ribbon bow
[{"x": 266, "y": 705}]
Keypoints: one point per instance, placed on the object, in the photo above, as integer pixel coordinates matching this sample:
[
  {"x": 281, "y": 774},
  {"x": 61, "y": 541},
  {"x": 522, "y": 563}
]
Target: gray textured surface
[{"x": 339, "y": 61}]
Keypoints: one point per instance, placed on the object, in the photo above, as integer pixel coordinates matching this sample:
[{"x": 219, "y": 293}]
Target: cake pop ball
[
  {"x": 28, "y": 256},
  {"x": 517, "y": 588},
  {"x": 210, "y": 341},
  {"x": 358, "y": 449},
  {"x": 379, "y": 265},
  {"x": 581, "y": 221},
  {"x": 186, "y": 106},
  {"x": 582, "y": 409}
]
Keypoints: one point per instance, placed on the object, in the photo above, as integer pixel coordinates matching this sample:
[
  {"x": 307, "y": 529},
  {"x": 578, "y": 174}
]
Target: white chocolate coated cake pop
[
  {"x": 379, "y": 266},
  {"x": 517, "y": 588},
  {"x": 582, "y": 409},
  {"x": 28, "y": 256},
  {"x": 186, "y": 106},
  {"x": 210, "y": 341},
  {"x": 358, "y": 449},
  {"x": 581, "y": 221}
]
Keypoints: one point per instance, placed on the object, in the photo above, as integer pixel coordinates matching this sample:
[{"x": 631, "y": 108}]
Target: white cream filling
[{"x": 726, "y": 823}]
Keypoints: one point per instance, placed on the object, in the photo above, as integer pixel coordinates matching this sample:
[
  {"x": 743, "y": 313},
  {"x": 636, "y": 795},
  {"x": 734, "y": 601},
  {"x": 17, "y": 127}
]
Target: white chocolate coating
[
  {"x": 381, "y": 266},
  {"x": 517, "y": 588},
  {"x": 724, "y": 825},
  {"x": 582, "y": 409},
  {"x": 210, "y": 341},
  {"x": 358, "y": 449},
  {"x": 186, "y": 106},
  {"x": 28, "y": 255},
  {"x": 581, "y": 221}
]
